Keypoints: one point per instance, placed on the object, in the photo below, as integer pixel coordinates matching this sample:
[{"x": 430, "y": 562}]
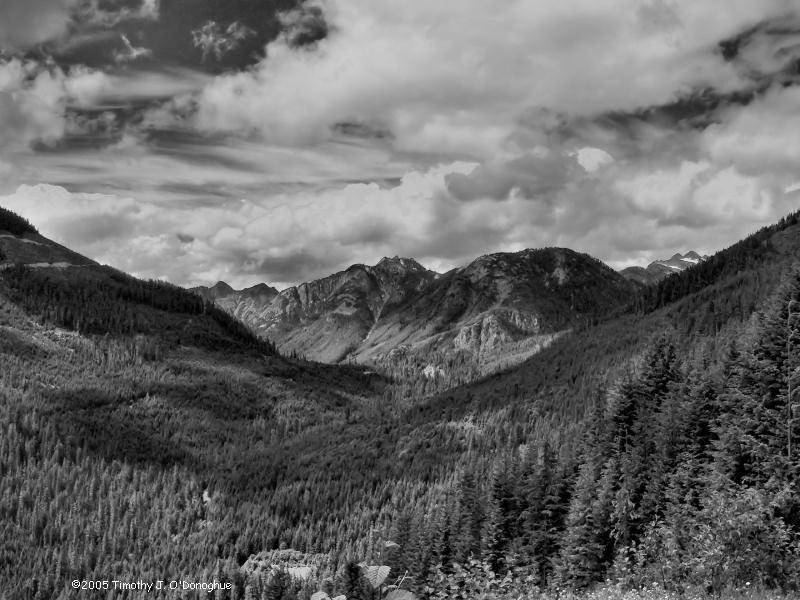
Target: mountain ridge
[
  {"x": 499, "y": 306},
  {"x": 662, "y": 268}
]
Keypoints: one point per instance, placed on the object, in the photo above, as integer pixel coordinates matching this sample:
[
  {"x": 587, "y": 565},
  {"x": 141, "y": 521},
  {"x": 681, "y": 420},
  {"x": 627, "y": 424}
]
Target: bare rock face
[
  {"x": 493, "y": 331},
  {"x": 327, "y": 319},
  {"x": 499, "y": 308}
]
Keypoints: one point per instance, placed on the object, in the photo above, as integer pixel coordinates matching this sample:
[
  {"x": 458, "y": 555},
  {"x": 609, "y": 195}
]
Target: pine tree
[
  {"x": 470, "y": 520},
  {"x": 581, "y": 559},
  {"x": 352, "y": 583},
  {"x": 502, "y": 518}
]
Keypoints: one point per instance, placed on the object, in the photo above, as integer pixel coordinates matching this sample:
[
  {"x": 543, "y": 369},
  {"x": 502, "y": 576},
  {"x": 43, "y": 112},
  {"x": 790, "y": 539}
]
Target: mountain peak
[
  {"x": 259, "y": 287},
  {"x": 222, "y": 288},
  {"x": 400, "y": 263},
  {"x": 259, "y": 291},
  {"x": 400, "y": 266},
  {"x": 659, "y": 269}
]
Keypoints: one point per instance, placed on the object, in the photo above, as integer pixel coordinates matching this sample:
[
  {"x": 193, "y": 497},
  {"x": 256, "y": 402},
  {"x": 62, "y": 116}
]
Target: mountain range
[
  {"x": 660, "y": 269},
  {"x": 496, "y": 311},
  {"x": 501, "y": 308}
]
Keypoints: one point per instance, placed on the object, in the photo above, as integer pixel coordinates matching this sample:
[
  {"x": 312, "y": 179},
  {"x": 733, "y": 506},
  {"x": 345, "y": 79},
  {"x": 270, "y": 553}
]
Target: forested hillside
[
  {"x": 148, "y": 436},
  {"x": 14, "y": 224}
]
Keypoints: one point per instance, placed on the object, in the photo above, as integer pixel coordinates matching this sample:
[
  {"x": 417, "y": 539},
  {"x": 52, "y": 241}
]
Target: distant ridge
[
  {"x": 659, "y": 269},
  {"x": 496, "y": 311},
  {"x": 61, "y": 287}
]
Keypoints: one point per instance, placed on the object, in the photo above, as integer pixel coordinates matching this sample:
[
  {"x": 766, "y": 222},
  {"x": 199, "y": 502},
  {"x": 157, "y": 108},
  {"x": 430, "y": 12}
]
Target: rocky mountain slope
[
  {"x": 326, "y": 319},
  {"x": 500, "y": 308},
  {"x": 246, "y": 305},
  {"x": 660, "y": 269}
]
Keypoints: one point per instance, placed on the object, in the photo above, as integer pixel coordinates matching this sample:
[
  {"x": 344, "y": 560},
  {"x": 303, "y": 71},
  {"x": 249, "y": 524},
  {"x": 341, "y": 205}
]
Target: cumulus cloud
[
  {"x": 759, "y": 138},
  {"x": 280, "y": 239},
  {"x": 436, "y": 73},
  {"x": 622, "y": 213},
  {"x": 33, "y": 97},
  {"x": 303, "y": 25}
]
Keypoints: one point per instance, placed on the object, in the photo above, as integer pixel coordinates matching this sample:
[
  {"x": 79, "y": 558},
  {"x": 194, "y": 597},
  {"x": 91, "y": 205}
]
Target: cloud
[
  {"x": 129, "y": 52},
  {"x": 592, "y": 159},
  {"x": 282, "y": 239},
  {"x": 26, "y": 23},
  {"x": 436, "y": 130},
  {"x": 108, "y": 13},
  {"x": 759, "y": 138},
  {"x": 621, "y": 213},
  {"x": 304, "y": 25},
  {"x": 30, "y": 102},
  {"x": 538, "y": 174},
  {"x": 33, "y": 98},
  {"x": 213, "y": 39},
  {"x": 436, "y": 74}
]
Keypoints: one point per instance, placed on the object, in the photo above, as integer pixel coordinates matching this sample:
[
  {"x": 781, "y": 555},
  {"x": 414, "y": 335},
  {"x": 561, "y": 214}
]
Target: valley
[
  {"x": 149, "y": 434},
  {"x": 496, "y": 312}
]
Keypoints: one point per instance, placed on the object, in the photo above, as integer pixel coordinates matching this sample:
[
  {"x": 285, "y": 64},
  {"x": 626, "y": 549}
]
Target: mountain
[
  {"x": 324, "y": 319},
  {"x": 244, "y": 305},
  {"x": 659, "y": 269},
  {"x": 328, "y": 319},
  {"x": 498, "y": 309},
  {"x": 63, "y": 288}
]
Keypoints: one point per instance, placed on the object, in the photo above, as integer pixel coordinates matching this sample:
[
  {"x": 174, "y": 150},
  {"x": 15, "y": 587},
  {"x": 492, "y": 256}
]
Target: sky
[{"x": 279, "y": 141}]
